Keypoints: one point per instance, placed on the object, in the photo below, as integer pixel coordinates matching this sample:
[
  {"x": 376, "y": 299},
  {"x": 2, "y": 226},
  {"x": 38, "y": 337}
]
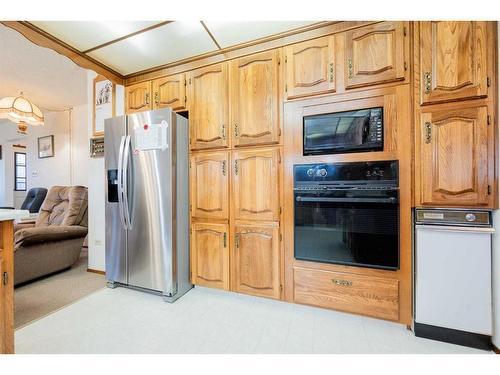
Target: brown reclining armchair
[{"x": 55, "y": 240}]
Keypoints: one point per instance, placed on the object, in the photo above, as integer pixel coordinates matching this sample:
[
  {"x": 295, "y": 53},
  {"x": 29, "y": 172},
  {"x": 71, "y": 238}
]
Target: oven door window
[{"x": 358, "y": 234}]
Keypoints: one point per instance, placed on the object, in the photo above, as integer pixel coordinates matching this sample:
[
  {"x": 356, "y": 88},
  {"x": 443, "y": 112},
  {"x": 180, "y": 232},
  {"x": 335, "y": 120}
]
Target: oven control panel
[{"x": 362, "y": 173}]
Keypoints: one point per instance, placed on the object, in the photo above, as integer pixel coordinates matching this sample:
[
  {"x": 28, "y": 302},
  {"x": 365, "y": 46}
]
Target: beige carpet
[{"x": 39, "y": 298}]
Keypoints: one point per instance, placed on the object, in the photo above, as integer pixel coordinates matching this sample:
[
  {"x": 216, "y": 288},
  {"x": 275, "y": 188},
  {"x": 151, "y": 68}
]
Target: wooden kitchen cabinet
[
  {"x": 210, "y": 185},
  {"x": 256, "y": 260},
  {"x": 208, "y": 93},
  {"x": 255, "y": 193},
  {"x": 6, "y": 287},
  {"x": 310, "y": 68},
  {"x": 210, "y": 255},
  {"x": 453, "y": 60},
  {"x": 375, "y": 54},
  {"x": 170, "y": 92},
  {"x": 254, "y": 85},
  {"x": 456, "y": 157},
  {"x": 138, "y": 97}
]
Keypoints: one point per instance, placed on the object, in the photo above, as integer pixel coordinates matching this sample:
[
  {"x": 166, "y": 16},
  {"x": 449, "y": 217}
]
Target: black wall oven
[
  {"x": 341, "y": 132},
  {"x": 347, "y": 213}
]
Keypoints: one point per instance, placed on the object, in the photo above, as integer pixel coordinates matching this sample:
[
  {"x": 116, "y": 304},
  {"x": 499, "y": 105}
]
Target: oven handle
[{"x": 353, "y": 200}]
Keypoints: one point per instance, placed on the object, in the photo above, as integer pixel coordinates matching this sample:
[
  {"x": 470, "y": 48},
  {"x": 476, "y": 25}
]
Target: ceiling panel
[
  {"x": 84, "y": 35},
  {"x": 231, "y": 33},
  {"x": 172, "y": 42}
]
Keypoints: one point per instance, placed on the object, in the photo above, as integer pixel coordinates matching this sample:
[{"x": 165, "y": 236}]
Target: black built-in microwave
[{"x": 359, "y": 130}]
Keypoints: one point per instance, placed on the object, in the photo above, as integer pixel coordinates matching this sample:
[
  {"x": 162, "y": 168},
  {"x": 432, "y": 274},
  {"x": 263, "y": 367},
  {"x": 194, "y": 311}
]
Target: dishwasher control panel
[{"x": 450, "y": 216}]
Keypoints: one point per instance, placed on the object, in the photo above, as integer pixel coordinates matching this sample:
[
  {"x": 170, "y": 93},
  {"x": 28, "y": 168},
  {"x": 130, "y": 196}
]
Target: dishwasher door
[{"x": 453, "y": 277}]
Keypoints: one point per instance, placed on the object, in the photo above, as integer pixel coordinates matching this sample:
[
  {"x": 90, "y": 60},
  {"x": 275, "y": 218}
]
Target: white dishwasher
[{"x": 452, "y": 276}]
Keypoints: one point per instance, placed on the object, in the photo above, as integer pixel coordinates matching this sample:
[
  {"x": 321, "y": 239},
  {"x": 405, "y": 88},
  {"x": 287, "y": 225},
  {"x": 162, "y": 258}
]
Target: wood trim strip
[
  {"x": 152, "y": 27},
  {"x": 96, "y": 271},
  {"x": 211, "y": 35},
  {"x": 313, "y": 31},
  {"x": 44, "y": 39}
]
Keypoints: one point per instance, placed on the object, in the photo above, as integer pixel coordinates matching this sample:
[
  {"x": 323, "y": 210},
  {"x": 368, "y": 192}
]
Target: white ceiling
[
  {"x": 172, "y": 42},
  {"x": 50, "y": 80},
  {"x": 148, "y": 47}
]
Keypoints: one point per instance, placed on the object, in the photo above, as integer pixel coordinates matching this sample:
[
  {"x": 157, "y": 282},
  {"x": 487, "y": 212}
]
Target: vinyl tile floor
[{"x": 211, "y": 321}]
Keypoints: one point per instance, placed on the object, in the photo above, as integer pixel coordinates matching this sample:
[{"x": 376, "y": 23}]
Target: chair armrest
[
  {"x": 29, "y": 236},
  {"x": 23, "y": 225}
]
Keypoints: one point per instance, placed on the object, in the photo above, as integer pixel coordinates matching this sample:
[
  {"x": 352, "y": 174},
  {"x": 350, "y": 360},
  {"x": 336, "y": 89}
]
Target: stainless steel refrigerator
[{"x": 147, "y": 202}]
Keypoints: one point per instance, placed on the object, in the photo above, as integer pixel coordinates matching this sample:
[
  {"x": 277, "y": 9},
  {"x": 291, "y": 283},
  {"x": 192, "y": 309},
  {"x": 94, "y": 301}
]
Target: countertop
[{"x": 6, "y": 214}]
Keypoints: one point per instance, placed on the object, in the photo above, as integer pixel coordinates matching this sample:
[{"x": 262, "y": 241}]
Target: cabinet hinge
[
  {"x": 286, "y": 88},
  {"x": 488, "y": 119},
  {"x": 5, "y": 278},
  {"x": 406, "y": 66},
  {"x": 185, "y": 82},
  {"x": 404, "y": 31},
  {"x": 488, "y": 81},
  {"x": 279, "y": 61},
  {"x": 281, "y": 210},
  {"x": 185, "y": 99},
  {"x": 190, "y": 207},
  {"x": 489, "y": 189},
  {"x": 281, "y": 288},
  {"x": 189, "y": 80},
  {"x": 281, "y": 237},
  {"x": 286, "y": 60}
]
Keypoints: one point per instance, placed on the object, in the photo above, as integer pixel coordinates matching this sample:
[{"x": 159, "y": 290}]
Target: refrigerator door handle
[
  {"x": 120, "y": 182},
  {"x": 126, "y": 156}
]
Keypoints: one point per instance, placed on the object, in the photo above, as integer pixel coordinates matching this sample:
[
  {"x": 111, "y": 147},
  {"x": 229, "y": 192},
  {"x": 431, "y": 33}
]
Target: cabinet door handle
[
  {"x": 349, "y": 67},
  {"x": 236, "y": 131},
  {"x": 237, "y": 240},
  {"x": 223, "y": 131},
  {"x": 225, "y": 240},
  {"x": 146, "y": 98},
  {"x": 157, "y": 98},
  {"x": 427, "y": 82},
  {"x": 331, "y": 72},
  {"x": 5, "y": 278},
  {"x": 236, "y": 167},
  {"x": 428, "y": 132},
  {"x": 224, "y": 168}
]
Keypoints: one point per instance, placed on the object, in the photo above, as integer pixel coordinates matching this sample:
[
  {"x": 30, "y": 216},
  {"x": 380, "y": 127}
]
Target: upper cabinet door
[
  {"x": 170, "y": 92},
  {"x": 256, "y": 261},
  {"x": 310, "y": 68},
  {"x": 138, "y": 97},
  {"x": 255, "y": 99},
  {"x": 454, "y": 149},
  {"x": 210, "y": 185},
  {"x": 208, "y": 107},
  {"x": 256, "y": 184},
  {"x": 453, "y": 62},
  {"x": 375, "y": 54}
]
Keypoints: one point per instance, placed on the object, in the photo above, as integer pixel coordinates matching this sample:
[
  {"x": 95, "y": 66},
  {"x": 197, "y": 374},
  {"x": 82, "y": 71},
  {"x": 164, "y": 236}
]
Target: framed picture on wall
[
  {"x": 46, "y": 147},
  {"x": 104, "y": 104}
]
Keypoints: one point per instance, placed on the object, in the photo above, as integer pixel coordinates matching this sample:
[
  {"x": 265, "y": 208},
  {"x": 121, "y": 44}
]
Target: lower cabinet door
[
  {"x": 210, "y": 255},
  {"x": 3, "y": 303},
  {"x": 256, "y": 260}
]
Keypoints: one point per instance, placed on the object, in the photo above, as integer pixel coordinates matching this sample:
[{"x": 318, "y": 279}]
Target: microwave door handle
[
  {"x": 126, "y": 157},
  {"x": 353, "y": 200},
  {"x": 120, "y": 182}
]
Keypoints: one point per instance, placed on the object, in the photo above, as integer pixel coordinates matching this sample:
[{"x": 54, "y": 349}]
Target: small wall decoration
[
  {"x": 46, "y": 147},
  {"x": 104, "y": 104}
]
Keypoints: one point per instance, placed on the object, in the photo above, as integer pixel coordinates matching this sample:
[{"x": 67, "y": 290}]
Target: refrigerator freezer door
[
  {"x": 151, "y": 178},
  {"x": 116, "y": 235}
]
